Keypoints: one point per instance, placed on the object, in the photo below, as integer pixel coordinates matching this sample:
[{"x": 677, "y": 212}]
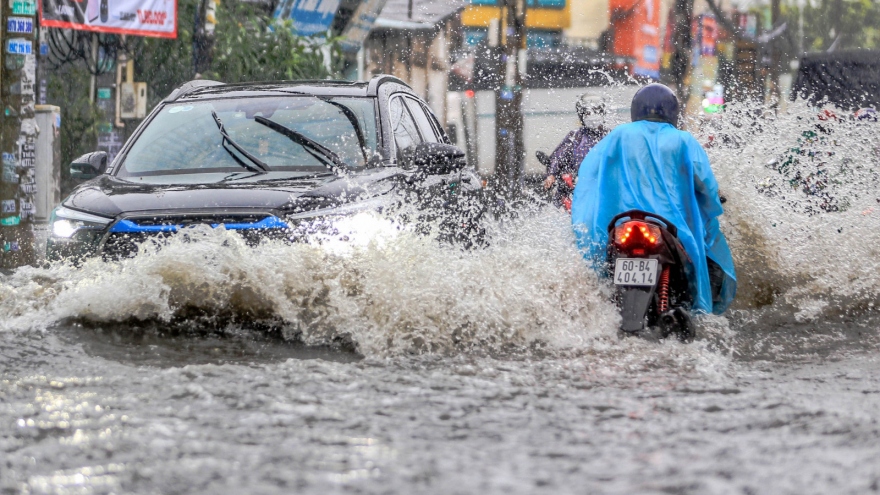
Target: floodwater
[{"x": 401, "y": 366}]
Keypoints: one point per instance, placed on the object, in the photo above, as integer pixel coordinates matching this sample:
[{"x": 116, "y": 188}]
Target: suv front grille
[
  {"x": 124, "y": 241},
  {"x": 187, "y": 220}
]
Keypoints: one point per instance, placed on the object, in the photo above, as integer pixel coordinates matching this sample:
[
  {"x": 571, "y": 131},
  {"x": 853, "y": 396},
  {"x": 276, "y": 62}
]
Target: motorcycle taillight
[{"x": 637, "y": 234}]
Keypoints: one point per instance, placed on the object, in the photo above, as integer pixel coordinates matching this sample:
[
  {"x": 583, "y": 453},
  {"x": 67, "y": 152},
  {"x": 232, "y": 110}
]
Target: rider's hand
[{"x": 549, "y": 181}]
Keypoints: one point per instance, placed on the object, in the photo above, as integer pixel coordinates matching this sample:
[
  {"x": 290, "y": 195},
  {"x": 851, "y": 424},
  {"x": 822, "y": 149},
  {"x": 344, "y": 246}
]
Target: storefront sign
[
  {"x": 309, "y": 17},
  {"x": 152, "y": 18},
  {"x": 9, "y": 222}
]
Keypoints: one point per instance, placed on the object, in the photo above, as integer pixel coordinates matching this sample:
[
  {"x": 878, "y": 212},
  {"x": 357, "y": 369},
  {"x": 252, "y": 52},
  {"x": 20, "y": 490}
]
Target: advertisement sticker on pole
[
  {"x": 20, "y": 25},
  {"x": 19, "y": 46},
  {"x": 23, "y": 7}
]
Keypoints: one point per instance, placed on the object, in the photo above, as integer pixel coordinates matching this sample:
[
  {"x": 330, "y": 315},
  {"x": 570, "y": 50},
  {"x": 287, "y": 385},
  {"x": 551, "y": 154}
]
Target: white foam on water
[
  {"x": 788, "y": 249},
  {"x": 396, "y": 295}
]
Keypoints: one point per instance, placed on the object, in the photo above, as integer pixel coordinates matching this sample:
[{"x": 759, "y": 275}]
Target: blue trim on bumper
[{"x": 128, "y": 226}]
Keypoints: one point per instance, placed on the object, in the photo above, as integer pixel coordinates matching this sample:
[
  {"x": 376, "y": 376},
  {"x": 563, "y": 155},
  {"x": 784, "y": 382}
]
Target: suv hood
[{"x": 109, "y": 197}]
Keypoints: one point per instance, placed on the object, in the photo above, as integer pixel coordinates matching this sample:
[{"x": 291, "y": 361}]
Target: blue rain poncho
[{"x": 654, "y": 167}]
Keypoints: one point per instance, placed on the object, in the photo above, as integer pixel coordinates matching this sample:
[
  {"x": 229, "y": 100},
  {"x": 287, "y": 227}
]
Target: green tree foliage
[
  {"x": 249, "y": 46},
  {"x": 855, "y": 22}
]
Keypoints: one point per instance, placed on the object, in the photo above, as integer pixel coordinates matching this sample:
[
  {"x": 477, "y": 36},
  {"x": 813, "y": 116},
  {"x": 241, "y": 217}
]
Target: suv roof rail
[
  {"x": 373, "y": 88},
  {"x": 189, "y": 87}
]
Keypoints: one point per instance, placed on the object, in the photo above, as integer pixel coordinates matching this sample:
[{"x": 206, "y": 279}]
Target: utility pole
[
  {"x": 509, "y": 146},
  {"x": 18, "y": 132},
  {"x": 682, "y": 42},
  {"x": 776, "y": 18},
  {"x": 203, "y": 36}
]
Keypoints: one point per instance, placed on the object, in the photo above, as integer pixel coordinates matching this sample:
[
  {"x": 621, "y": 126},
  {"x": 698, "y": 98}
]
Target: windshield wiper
[
  {"x": 352, "y": 118},
  {"x": 258, "y": 165},
  {"x": 315, "y": 148}
]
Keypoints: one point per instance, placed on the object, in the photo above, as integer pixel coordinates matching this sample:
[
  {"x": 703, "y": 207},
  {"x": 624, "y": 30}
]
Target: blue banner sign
[
  {"x": 23, "y": 25},
  {"x": 545, "y": 4},
  {"x": 19, "y": 46},
  {"x": 309, "y": 16}
]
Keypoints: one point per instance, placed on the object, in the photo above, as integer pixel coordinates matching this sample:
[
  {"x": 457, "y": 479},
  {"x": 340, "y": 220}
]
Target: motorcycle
[
  {"x": 564, "y": 186},
  {"x": 647, "y": 264}
]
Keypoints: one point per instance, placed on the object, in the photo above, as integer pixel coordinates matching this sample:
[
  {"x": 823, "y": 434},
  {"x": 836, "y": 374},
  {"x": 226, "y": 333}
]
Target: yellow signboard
[{"x": 536, "y": 18}]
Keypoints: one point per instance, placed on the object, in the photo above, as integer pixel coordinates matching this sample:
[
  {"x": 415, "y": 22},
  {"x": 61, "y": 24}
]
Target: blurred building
[
  {"x": 546, "y": 21},
  {"x": 588, "y": 23},
  {"x": 411, "y": 39}
]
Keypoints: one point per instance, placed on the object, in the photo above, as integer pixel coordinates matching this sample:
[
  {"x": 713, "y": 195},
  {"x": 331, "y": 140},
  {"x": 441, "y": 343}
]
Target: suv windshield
[{"x": 184, "y": 138}]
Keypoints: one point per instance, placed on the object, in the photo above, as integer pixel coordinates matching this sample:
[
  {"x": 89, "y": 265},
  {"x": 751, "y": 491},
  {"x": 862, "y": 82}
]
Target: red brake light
[{"x": 634, "y": 232}]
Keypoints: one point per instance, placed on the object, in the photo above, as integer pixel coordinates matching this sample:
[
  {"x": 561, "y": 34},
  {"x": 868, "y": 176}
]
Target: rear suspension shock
[{"x": 664, "y": 290}]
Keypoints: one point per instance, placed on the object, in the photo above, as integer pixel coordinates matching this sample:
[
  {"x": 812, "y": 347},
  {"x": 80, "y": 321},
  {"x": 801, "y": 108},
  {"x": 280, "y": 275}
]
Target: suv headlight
[{"x": 66, "y": 222}]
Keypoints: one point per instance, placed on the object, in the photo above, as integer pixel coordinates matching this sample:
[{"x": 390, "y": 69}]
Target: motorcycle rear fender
[{"x": 634, "y": 303}]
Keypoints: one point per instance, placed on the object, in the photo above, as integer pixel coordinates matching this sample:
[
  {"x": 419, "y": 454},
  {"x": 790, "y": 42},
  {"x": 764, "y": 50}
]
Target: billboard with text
[{"x": 153, "y": 18}]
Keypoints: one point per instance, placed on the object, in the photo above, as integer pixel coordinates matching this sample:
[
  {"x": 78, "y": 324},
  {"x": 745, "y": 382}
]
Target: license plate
[{"x": 635, "y": 271}]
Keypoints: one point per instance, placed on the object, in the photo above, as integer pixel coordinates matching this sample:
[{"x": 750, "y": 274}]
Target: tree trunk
[{"x": 682, "y": 42}]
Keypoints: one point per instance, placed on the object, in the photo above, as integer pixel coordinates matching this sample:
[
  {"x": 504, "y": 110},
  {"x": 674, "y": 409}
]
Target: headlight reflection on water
[{"x": 340, "y": 234}]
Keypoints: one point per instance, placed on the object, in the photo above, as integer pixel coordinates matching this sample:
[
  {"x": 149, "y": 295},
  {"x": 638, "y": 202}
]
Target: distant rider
[
  {"x": 567, "y": 157},
  {"x": 652, "y": 166}
]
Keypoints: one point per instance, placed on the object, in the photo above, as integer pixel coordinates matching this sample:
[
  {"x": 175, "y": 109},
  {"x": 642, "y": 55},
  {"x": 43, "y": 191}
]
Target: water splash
[
  {"x": 529, "y": 289},
  {"x": 791, "y": 252},
  {"x": 406, "y": 293}
]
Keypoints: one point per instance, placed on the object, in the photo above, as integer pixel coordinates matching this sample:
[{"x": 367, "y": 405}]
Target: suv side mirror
[
  {"x": 434, "y": 158},
  {"x": 89, "y": 165}
]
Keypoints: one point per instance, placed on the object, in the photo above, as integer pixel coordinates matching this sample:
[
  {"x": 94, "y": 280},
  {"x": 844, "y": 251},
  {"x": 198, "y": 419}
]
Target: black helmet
[{"x": 655, "y": 102}]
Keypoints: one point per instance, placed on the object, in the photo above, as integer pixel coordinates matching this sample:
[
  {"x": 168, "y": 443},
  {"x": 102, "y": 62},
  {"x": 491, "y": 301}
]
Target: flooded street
[
  {"x": 80, "y": 416},
  {"x": 401, "y": 366},
  {"x": 459, "y": 247}
]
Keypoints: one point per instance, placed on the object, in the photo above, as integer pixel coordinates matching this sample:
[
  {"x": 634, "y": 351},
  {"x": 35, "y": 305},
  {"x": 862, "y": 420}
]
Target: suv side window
[
  {"x": 438, "y": 129},
  {"x": 418, "y": 111},
  {"x": 402, "y": 125}
]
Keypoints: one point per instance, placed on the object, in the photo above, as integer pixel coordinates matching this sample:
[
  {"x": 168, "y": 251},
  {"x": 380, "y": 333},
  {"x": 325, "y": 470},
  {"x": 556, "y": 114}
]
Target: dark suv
[{"x": 267, "y": 159}]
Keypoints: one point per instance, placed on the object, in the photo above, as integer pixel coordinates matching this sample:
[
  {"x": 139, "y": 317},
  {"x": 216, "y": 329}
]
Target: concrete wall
[
  {"x": 588, "y": 19},
  {"x": 549, "y": 115},
  {"x": 47, "y": 173}
]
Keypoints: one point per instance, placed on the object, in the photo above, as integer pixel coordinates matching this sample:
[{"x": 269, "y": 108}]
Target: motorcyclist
[
  {"x": 567, "y": 157},
  {"x": 650, "y": 165}
]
